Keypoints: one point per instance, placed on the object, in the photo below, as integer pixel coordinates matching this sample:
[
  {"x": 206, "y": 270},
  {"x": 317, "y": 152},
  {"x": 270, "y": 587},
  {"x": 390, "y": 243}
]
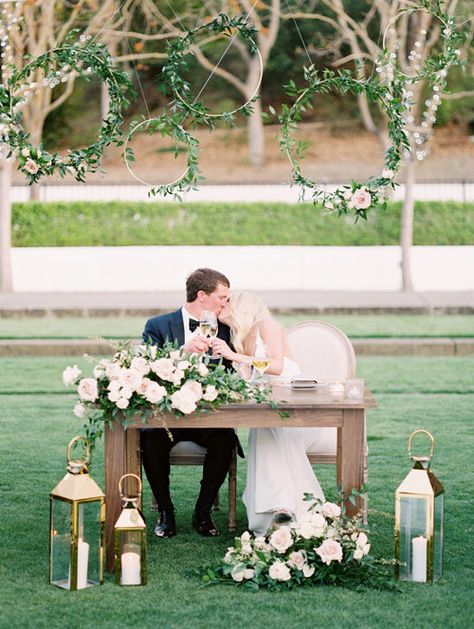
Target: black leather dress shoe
[
  {"x": 203, "y": 524},
  {"x": 166, "y": 525}
]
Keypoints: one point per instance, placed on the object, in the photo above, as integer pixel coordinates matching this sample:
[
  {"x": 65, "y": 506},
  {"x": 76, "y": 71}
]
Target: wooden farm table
[{"x": 310, "y": 407}]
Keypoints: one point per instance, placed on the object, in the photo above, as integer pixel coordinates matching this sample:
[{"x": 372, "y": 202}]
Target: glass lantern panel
[
  {"x": 60, "y": 543},
  {"x": 438, "y": 536},
  {"x": 131, "y": 545},
  {"x": 89, "y": 556},
  {"x": 413, "y": 523}
]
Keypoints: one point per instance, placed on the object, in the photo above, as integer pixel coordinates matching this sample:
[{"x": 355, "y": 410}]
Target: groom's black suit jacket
[{"x": 169, "y": 327}]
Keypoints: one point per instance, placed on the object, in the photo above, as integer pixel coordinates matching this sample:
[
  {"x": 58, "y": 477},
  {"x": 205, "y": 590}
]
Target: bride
[{"x": 278, "y": 470}]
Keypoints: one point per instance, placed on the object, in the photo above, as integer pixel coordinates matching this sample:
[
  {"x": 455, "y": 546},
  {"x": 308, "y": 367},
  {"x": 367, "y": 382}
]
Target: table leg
[
  {"x": 351, "y": 455},
  {"x": 122, "y": 456}
]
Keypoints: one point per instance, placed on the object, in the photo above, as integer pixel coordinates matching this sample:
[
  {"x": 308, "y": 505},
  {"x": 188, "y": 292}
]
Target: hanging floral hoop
[
  {"x": 358, "y": 197},
  {"x": 75, "y": 59},
  {"x": 167, "y": 126},
  {"x": 171, "y": 81}
]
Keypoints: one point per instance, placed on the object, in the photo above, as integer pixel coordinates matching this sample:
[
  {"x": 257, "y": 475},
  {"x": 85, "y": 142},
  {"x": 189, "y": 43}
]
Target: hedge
[{"x": 140, "y": 223}]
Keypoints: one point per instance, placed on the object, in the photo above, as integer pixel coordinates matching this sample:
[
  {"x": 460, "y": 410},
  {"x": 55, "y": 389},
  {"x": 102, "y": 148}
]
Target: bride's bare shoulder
[{"x": 270, "y": 327}]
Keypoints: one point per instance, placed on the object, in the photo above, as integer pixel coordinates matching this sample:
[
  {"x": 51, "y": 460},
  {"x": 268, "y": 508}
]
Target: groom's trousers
[{"x": 156, "y": 446}]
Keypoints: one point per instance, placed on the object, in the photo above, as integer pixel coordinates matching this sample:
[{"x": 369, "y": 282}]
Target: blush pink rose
[
  {"x": 281, "y": 539},
  {"x": 141, "y": 365},
  {"x": 122, "y": 402},
  {"x": 164, "y": 368},
  {"x": 361, "y": 199},
  {"x": 279, "y": 571},
  {"x": 297, "y": 560},
  {"x": 31, "y": 166},
  {"x": 183, "y": 401},
  {"x": 210, "y": 393},
  {"x": 79, "y": 410},
  {"x": 330, "y": 550},
  {"x": 194, "y": 389},
  {"x": 130, "y": 378},
  {"x": 331, "y": 510},
  {"x": 151, "y": 391},
  {"x": 87, "y": 389}
]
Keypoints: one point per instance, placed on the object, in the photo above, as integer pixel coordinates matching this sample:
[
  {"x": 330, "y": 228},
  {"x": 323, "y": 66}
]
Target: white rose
[
  {"x": 194, "y": 389},
  {"x": 175, "y": 354},
  {"x": 246, "y": 548},
  {"x": 164, "y": 368},
  {"x": 184, "y": 402},
  {"x": 140, "y": 365},
  {"x": 245, "y": 537},
  {"x": 249, "y": 573},
  {"x": 281, "y": 539},
  {"x": 202, "y": 370},
  {"x": 151, "y": 391},
  {"x": 25, "y": 151},
  {"x": 31, "y": 166},
  {"x": 130, "y": 378},
  {"x": 387, "y": 173},
  {"x": 183, "y": 365},
  {"x": 122, "y": 402},
  {"x": 87, "y": 389},
  {"x": 210, "y": 393},
  {"x": 114, "y": 395},
  {"x": 330, "y": 550},
  {"x": 297, "y": 560},
  {"x": 308, "y": 571},
  {"x": 70, "y": 375},
  {"x": 126, "y": 392},
  {"x": 331, "y": 510},
  {"x": 113, "y": 370},
  {"x": 79, "y": 409},
  {"x": 362, "y": 539},
  {"x": 237, "y": 574},
  {"x": 279, "y": 571},
  {"x": 358, "y": 554},
  {"x": 361, "y": 199}
]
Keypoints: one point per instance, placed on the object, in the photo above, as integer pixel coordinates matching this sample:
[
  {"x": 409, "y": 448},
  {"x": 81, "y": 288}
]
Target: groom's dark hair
[{"x": 203, "y": 279}]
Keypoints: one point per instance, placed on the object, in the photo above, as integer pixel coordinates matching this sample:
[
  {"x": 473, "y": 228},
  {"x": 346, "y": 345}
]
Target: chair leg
[{"x": 232, "y": 508}]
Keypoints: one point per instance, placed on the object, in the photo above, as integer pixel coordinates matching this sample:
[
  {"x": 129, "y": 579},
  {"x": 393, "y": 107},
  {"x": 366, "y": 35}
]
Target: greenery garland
[
  {"x": 358, "y": 197},
  {"x": 171, "y": 82},
  {"x": 82, "y": 60}
]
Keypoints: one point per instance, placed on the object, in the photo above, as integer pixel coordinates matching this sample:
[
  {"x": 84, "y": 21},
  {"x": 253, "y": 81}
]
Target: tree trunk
[
  {"x": 406, "y": 235},
  {"x": 256, "y": 140},
  {"x": 6, "y": 282}
]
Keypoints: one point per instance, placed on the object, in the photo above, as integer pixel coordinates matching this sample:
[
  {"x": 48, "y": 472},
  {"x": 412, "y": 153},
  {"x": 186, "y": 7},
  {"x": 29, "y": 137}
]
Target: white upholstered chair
[{"x": 322, "y": 350}]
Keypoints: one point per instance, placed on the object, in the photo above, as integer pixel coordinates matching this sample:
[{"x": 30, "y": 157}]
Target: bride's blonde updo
[{"x": 247, "y": 311}]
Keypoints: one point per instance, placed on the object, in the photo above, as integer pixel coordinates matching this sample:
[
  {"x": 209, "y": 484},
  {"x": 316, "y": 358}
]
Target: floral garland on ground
[
  {"x": 359, "y": 197},
  {"x": 172, "y": 83},
  {"x": 149, "y": 381},
  {"x": 324, "y": 546},
  {"x": 71, "y": 59}
]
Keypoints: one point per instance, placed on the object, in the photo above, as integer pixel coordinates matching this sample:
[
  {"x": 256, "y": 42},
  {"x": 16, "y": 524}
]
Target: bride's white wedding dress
[{"x": 278, "y": 470}]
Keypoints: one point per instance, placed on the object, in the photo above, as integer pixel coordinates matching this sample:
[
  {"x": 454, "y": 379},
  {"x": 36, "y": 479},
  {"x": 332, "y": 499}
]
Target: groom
[{"x": 206, "y": 289}]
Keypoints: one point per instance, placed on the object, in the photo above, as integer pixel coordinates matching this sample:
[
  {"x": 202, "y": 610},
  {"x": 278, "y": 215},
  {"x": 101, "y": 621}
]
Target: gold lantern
[
  {"x": 77, "y": 527},
  {"x": 130, "y": 539},
  {"x": 419, "y": 520}
]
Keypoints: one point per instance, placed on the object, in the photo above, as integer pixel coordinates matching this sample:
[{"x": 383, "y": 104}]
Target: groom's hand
[{"x": 198, "y": 345}]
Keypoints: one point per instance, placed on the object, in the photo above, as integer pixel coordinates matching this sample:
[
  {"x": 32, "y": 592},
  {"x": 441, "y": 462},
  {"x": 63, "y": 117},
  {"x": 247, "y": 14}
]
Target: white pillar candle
[
  {"x": 419, "y": 546},
  {"x": 130, "y": 569},
  {"x": 82, "y": 564}
]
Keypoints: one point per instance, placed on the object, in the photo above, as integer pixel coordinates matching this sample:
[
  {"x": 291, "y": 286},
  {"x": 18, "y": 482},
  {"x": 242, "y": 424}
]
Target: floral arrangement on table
[
  {"x": 148, "y": 381},
  {"x": 324, "y": 546}
]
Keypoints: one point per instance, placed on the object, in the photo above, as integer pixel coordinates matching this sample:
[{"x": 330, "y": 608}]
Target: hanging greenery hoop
[
  {"x": 358, "y": 197},
  {"x": 58, "y": 65},
  {"x": 167, "y": 126},
  {"x": 171, "y": 81}
]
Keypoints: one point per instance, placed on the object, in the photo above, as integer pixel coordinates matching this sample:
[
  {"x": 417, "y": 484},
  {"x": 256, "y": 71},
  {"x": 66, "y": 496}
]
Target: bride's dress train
[{"x": 278, "y": 470}]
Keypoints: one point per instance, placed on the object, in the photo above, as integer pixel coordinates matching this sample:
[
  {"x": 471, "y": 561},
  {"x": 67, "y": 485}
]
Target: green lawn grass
[
  {"x": 435, "y": 394},
  {"x": 355, "y": 326}
]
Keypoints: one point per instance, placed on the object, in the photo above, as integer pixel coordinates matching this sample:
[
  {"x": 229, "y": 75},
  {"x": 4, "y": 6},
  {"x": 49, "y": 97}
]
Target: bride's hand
[{"x": 220, "y": 349}]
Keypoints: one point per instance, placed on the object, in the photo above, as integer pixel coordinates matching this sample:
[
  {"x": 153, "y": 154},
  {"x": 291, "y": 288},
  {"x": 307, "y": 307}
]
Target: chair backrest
[{"x": 322, "y": 350}]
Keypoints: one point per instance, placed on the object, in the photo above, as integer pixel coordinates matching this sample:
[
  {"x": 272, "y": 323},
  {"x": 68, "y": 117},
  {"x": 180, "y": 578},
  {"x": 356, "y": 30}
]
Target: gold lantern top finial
[
  {"x": 424, "y": 460},
  {"x": 130, "y": 497},
  {"x": 78, "y": 466}
]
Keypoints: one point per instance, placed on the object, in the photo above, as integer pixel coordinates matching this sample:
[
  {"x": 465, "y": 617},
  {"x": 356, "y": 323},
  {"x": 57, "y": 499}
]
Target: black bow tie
[{"x": 193, "y": 324}]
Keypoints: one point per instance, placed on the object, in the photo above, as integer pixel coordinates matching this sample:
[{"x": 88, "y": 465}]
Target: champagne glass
[
  {"x": 261, "y": 361},
  {"x": 208, "y": 323}
]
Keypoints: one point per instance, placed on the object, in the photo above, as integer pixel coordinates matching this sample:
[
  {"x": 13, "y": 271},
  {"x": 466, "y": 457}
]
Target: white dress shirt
[{"x": 188, "y": 335}]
